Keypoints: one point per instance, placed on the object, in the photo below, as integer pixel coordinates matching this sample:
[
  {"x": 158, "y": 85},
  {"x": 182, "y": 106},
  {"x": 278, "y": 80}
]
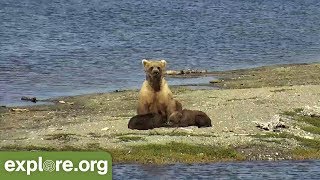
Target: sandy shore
[{"x": 245, "y": 98}]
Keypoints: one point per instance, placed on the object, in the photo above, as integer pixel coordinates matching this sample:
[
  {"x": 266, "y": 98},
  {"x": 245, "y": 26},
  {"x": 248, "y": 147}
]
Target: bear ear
[
  {"x": 144, "y": 62},
  {"x": 164, "y": 63}
]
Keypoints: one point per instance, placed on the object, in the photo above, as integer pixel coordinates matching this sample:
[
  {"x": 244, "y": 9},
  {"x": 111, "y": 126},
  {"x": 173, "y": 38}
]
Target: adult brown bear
[{"x": 155, "y": 95}]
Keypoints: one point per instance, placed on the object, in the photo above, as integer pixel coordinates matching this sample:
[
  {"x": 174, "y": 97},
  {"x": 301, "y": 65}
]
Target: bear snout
[
  {"x": 156, "y": 74},
  {"x": 155, "y": 71}
]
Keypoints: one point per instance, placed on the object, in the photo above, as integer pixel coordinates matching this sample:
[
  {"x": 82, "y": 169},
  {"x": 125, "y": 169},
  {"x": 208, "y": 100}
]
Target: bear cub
[
  {"x": 153, "y": 120},
  {"x": 189, "y": 118},
  {"x": 146, "y": 121}
]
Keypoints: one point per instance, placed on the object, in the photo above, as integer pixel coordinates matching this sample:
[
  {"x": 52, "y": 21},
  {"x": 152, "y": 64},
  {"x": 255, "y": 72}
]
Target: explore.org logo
[
  {"x": 82, "y": 165},
  {"x": 29, "y": 166}
]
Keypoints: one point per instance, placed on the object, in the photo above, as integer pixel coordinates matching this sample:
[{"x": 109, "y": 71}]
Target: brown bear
[
  {"x": 146, "y": 121},
  {"x": 153, "y": 120},
  {"x": 189, "y": 118},
  {"x": 155, "y": 95}
]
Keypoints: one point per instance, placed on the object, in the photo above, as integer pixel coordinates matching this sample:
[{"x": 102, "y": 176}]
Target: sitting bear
[
  {"x": 189, "y": 118},
  {"x": 155, "y": 95}
]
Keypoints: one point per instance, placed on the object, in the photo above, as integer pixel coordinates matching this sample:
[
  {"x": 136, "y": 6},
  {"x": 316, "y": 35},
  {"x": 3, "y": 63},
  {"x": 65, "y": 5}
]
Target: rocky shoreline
[{"x": 243, "y": 111}]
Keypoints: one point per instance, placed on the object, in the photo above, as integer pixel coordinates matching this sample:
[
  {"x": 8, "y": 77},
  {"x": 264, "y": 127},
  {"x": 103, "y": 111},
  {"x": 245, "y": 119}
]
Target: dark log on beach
[
  {"x": 188, "y": 71},
  {"x": 32, "y": 99}
]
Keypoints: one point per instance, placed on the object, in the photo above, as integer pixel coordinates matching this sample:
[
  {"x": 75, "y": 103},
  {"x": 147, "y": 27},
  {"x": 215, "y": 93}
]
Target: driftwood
[
  {"x": 32, "y": 99},
  {"x": 19, "y": 110},
  {"x": 274, "y": 124},
  {"x": 188, "y": 71}
]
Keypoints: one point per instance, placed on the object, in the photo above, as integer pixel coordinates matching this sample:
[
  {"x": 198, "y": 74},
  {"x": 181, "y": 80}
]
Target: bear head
[
  {"x": 175, "y": 119},
  {"x": 154, "y": 69}
]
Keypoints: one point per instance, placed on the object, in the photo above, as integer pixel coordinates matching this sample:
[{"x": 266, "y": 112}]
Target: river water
[
  {"x": 58, "y": 48},
  {"x": 238, "y": 170}
]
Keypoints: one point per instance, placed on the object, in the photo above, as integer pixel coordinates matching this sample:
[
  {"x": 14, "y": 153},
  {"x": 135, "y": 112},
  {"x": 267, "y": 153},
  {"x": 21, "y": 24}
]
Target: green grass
[
  {"x": 93, "y": 146},
  {"x": 271, "y": 141},
  {"x": 303, "y": 153},
  {"x": 60, "y": 136},
  {"x": 234, "y": 99},
  {"x": 312, "y": 129},
  {"x": 237, "y": 99},
  {"x": 94, "y": 135},
  {"x": 179, "y": 133},
  {"x": 314, "y": 122},
  {"x": 156, "y": 133},
  {"x": 174, "y": 152},
  {"x": 308, "y": 143},
  {"x": 131, "y": 138},
  {"x": 40, "y": 148},
  {"x": 274, "y": 135},
  {"x": 280, "y": 90},
  {"x": 293, "y": 113},
  {"x": 122, "y": 134},
  {"x": 179, "y": 89}
]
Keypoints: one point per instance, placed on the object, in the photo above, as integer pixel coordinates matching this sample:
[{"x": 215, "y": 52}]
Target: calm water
[
  {"x": 56, "y": 48},
  {"x": 244, "y": 170}
]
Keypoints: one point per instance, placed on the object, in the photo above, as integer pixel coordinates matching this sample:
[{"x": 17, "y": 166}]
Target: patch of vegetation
[
  {"x": 93, "y": 146},
  {"x": 3, "y": 110},
  {"x": 289, "y": 113},
  {"x": 234, "y": 99},
  {"x": 26, "y": 148},
  {"x": 179, "y": 89},
  {"x": 213, "y": 97},
  {"x": 172, "y": 133},
  {"x": 276, "y": 141},
  {"x": 293, "y": 113},
  {"x": 308, "y": 143},
  {"x": 124, "y": 115},
  {"x": 303, "y": 153},
  {"x": 123, "y": 134},
  {"x": 131, "y": 138},
  {"x": 182, "y": 133},
  {"x": 60, "y": 136},
  {"x": 271, "y": 76},
  {"x": 274, "y": 135},
  {"x": 94, "y": 135},
  {"x": 174, "y": 152},
  {"x": 298, "y": 110},
  {"x": 280, "y": 90},
  {"x": 315, "y": 121},
  {"x": 178, "y": 133},
  {"x": 237, "y": 99},
  {"x": 312, "y": 129}
]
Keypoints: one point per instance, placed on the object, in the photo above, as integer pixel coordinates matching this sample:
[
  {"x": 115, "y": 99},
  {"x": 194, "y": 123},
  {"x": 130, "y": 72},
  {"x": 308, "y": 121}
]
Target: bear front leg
[{"x": 143, "y": 108}]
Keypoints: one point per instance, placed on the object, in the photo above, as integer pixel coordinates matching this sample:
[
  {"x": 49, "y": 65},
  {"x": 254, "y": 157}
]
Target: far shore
[{"x": 237, "y": 102}]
